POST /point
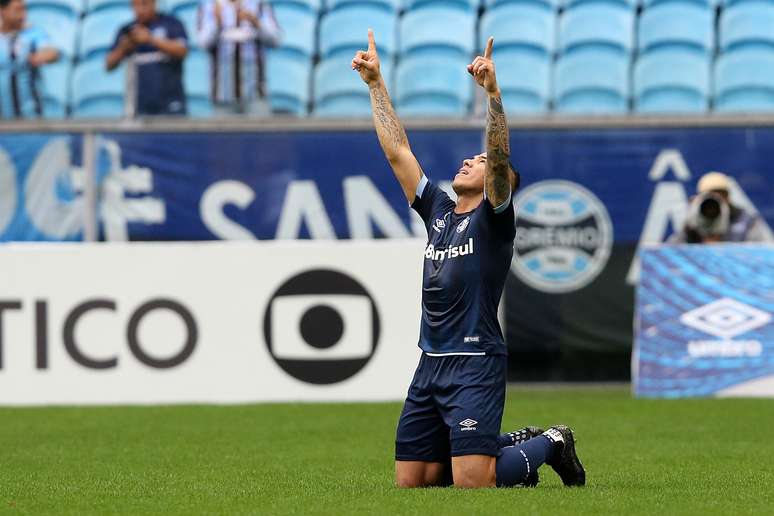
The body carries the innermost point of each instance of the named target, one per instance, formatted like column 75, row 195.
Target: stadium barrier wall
column 703, row 323
column 220, row 322
column 593, row 192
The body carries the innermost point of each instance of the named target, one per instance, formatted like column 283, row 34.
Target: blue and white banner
column 705, row 321
column 40, row 187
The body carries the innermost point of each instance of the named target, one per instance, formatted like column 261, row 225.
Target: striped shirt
column 20, row 84
column 237, row 48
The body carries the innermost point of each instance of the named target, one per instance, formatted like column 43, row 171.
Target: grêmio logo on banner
column 725, row 319
column 39, row 316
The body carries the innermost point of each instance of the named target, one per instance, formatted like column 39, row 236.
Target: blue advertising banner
column 704, row 322
column 40, row 187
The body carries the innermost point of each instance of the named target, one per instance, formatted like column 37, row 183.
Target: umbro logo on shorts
column 468, row 424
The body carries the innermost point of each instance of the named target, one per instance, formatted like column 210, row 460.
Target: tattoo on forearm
column 391, row 134
column 497, row 152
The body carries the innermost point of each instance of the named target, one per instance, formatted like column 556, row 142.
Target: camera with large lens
column 709, row 215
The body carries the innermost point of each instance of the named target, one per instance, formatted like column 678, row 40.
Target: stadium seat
column 672, row 80
column 744, row 81
column 340, row 92
column 592, row 82
column 390, row 5
column 188, row 14
column 552, row 4
column 73, row 7
column 97, row 93
column 647, row 4
column 55, row 82
column 437, row 87
column 173, row 5
column 97, row 5
column 599, row 24
column 438, row 31
column 312, row 6
column 287, row 82
column 519, row 25
column 524, row 78
column 631, row 5
column 298, row 30
column 466, row 5
column 100, row 28
column 743, row 24
column 682, row 24
column 60, row 25
column 345, row 31
column 196, row 82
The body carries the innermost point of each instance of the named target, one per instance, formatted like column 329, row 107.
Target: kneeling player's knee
column 473, row 480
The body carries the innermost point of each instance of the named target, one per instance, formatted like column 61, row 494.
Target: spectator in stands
column 23, row 49
column 235, row 32
column 712, row 217
column 156, row 45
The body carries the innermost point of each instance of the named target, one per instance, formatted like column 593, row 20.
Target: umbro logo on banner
column 725, row 318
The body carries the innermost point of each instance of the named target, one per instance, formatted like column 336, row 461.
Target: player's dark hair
column 4, row 3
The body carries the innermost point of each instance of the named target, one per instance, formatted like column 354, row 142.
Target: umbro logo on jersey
column 439, row 225
column 463, row 225
column 468, row 424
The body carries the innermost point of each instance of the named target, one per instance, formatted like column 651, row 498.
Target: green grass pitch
column 641, row 456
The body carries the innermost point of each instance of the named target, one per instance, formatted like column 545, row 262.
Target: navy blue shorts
column 454, row 407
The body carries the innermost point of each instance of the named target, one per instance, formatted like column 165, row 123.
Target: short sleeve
column 176, row 30
column 40, row 39
column 502, row 219
column 121, row 33
column 430, row 201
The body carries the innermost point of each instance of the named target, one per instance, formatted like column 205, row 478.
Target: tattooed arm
column 391, row 135
column 498, row 175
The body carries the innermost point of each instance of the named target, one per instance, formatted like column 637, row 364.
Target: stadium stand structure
column 562, row 56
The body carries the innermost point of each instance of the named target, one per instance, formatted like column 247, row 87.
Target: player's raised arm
column 498, row 176
column 392, row 137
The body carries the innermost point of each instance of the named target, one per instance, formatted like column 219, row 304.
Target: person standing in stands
column 23, row 50
column 156, row 44
column 235, row 33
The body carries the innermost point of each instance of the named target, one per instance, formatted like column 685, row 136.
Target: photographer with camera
column 713, row 218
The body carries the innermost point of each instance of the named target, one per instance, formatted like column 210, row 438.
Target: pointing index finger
column 371, row 42
column 488, row 51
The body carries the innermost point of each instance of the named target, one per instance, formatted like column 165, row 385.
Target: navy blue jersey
column 159, row 77
column 466, row 262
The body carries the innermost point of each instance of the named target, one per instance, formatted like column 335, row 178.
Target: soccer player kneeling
column 449, row 428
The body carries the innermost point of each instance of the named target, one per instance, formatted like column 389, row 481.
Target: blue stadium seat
column 592, row 82
column 682, row 24
column 438, row 31
column 73, row 7
column 552, row 4
column 433, row 87
column 173, row 5
column 672, row 80
column 313, row 6
column 340, row 92
column 744, row 81
column 631, row 5
column 747, row 24
column 100, row 28
column 97, row 93
column 647, row 4
column 345, row 31
column 196, row 82
column 189, row 17
column 60, row 25
column 524, row 78
column 519, row 25
column 599, row 24
column 466, row 5
column 390, row 5
column 298, row 30
column 55, row 82
column 98, row 5
column 287, row 81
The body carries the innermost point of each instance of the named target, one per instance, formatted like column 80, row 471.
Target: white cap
column 713, row 181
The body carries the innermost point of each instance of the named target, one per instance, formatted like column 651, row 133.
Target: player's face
column 470, row 176
column 144, row 10
column 14, row 14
